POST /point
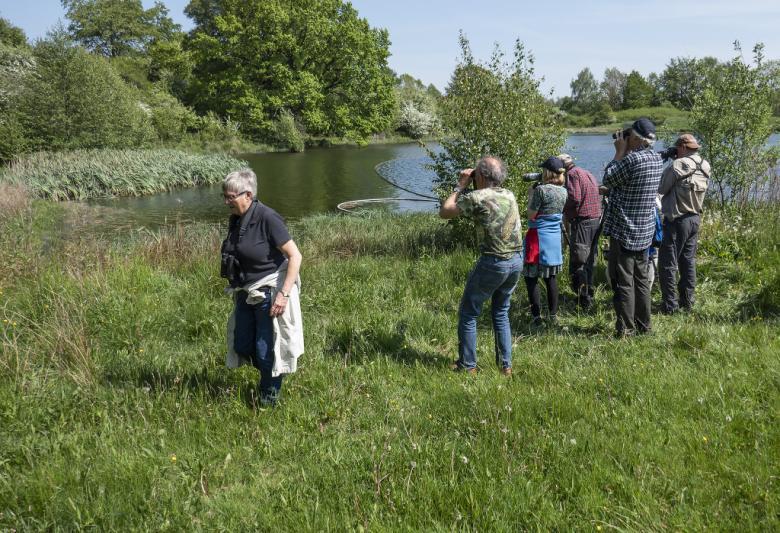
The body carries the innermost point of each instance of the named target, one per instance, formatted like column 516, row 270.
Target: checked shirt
column 584, row 200
column 633, row 184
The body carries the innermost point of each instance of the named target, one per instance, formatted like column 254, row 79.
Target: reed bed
column 84, row 174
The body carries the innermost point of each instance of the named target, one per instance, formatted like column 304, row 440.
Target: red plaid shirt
column 584, row 200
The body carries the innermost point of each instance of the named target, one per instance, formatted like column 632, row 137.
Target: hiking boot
column 506, row 371
column 456, row 367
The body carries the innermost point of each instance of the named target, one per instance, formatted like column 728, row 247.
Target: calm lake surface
column 316, row 181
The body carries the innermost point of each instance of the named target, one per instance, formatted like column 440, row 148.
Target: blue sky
column 564, row 36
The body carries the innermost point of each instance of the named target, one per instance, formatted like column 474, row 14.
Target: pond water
column 316, row 181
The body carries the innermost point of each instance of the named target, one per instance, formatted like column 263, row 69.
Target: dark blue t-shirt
column 255, row 238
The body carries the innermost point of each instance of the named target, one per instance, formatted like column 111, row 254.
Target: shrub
column 83, row 174
column 287, row 133
column 76, row 100
column 496, row 109
column 416, row 123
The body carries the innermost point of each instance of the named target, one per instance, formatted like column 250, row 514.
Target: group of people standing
column 262, row 262
column 569, row 197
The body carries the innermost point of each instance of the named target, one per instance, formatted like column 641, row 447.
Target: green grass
column 666, row 118
column 83, row 174
column 117, row 412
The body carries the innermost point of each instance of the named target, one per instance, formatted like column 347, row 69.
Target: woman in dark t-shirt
column 256, row 246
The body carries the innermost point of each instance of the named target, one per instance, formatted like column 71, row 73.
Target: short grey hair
column 492, row 169
column 647, row 142
column 240, row 181
column 566, row 159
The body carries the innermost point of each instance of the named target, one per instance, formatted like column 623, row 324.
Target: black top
column 254, row 238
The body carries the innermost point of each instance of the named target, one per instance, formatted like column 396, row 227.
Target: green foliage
column 637, row 91
column 287, row 133
column 585, row 95
column 612, row 87
column 171, row 119
column 118, row 27
column 497, row 109
column 417, row 114
column 317, row 58
column 15, row 66
column 83, row 174
column 603, row 115
column 114, row 392
column 11, row 35
column 76, row 100
column 733, row 117
column 685, row 78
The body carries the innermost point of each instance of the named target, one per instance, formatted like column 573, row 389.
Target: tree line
column 680, row 84
column 269, row 71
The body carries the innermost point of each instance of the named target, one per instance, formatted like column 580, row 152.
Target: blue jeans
column 493, row 278
column 254, row 339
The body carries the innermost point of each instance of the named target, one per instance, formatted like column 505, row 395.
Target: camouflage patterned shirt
column 495, row 211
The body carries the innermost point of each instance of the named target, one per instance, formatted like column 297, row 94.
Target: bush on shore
column 83, row 174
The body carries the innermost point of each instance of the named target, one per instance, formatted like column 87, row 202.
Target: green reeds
column 83, row 174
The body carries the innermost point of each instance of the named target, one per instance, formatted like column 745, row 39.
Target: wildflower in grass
column 705, row 439
column 173, row 457
column 573, row 442
column 464, row 459
column 728, row 418
column 413, row 464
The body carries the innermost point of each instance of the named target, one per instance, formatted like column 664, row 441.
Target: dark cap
column 645, row 128
column 553, row 164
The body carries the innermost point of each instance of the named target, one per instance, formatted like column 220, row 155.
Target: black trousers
column 583, row 248
column 629, row 273
column 678, row 253
column 532, row 285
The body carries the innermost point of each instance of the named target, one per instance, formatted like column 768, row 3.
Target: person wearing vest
column 683, row 187
column 497, row 271
column 261, row 262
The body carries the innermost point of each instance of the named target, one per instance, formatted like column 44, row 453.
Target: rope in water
column 381, row 170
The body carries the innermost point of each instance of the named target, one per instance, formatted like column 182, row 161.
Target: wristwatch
column 457, row 188
column 285, row 294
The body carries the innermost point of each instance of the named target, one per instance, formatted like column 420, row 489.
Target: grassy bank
column 83, row 174
column 117, row 412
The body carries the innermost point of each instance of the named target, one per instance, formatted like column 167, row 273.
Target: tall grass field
column 117, row 413
column 83, row 174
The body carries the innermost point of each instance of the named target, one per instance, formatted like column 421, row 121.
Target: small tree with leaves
column 733, row 117
column 495, row 108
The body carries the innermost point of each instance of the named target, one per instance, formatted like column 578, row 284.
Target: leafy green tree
column 585, row 92
column 496, row 108
column 657, row 99
column 315, row 58
column 637, row 92
column 771, row 71
column 685, row 78
column 603, row 114
column 11, row 35
column 733, row 117
column 612, row 87
column 75, row 99
column 118, row 27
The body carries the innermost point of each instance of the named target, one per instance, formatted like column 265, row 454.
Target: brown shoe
column 457, row 368
column 506, row 372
